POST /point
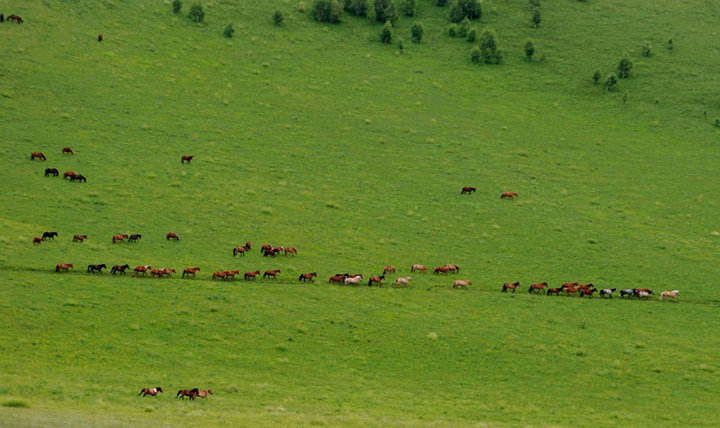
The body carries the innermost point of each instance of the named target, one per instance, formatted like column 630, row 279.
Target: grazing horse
column 555, row 291
column 63, row 267
column 376, row 280
column 186, row 159
column 607, row 292
column 204, row 393
column 403, row 282
column 537, row 288
column 220, row 274
column 141, row 269
column 120, row 238
column 37, row 241
column 440, row 270
column 338, row 278
column 134, row 237
column 630, row 292
column 468, row 190
column 353, row 280
column 508, row 286
column 422, row 268
column 388, row 269
column 172, row 235
column 190, row 271
column 587, row 291
column 248, row 245
column 192, row 393
column 271, row 273
column 290, row 250
column 508, row 195
column 461, row 283
column 119, row 269
column 150, row 391
column 253, row 274
column 68, row 150
column 79, row 238
column 51, row 171
column 16, row 18
column 239, row 250
column 265, row 247
column 79, row 178
column 672, row 294
column 49, row 235
column 307, row 277
column 100, row 37
column 69, row 174
column 36, row 155
column 96, row 268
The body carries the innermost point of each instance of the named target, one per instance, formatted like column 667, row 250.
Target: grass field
column 319, row 137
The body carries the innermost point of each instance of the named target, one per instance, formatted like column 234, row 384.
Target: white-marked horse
column 673, row 294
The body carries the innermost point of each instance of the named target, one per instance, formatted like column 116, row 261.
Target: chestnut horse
column 172, row 235
column 51, row 171
column 192, row 393
column 186, row 159
column 376, row 280
column 68, row 150
column 37, row 241
column 587, row 291
column 453, row 268
column 388, row 269
column 120, row 238
column 338, row 279
column 671, row 294
column 537, row 288
column 204, row 393
column 119, row 269
column 307, row 277
column 461, row 283
column 231, row 273
column 290, row 250
column 150, row 391
column 141, row 269
column 79, row 238
column 468, row 190
column 509, row 195
column 253, row 274
column 69, row 174
column 220, row 274
column 36, row 155
column 422, row 268
column 63, row 267
column 239, row 250
column 190, row 271
column 271, row 273
column 508, row 286
column 440, row 270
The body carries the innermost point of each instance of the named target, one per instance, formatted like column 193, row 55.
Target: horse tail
column 141, row 392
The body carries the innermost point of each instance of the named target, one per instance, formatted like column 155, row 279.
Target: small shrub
column 669, row 45
column 401, row 46
column 475, row 55
column 536, row 17
column 611, row 83
column 386, row 33
column 416, row 32
column 464, row 27
column 385, row 10
column 409, row 7
column 488, row 48
column 327, row 11
column 465, row 8
column 197, row 13
column 301, row 7
column 624, row 67
column 717, row 123
column 177, row 6
column 596, row 77
column 278, row 18
column 453, row 30
column 229, row 31
column 357, row 7
column 529, row 50
column 646, row 49
column 472, row 36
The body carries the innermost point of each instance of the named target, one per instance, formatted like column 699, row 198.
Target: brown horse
column 508, row 195
column 587, row 291
column 36, row 155
column 376, row 280
column 69, row 174
column 51, row 171
column 290, row 250
column 248, row 245
column 37, row 241
column 271, row 273
column 192, row 393
column 16, row 18
column 307, row 277
column 186, row 159
column 157, row 273
column 555, row 291
column 168, row 272
column 63, row 267
column 100, row 37
column 422, row 268
column 150, row 391
column 231, row 273
column 172, row 235
column 79, row 238
column 508, row 286
column 461, row 283
column 120, row 238
column 388, row 269
column 220, row 274
column 468, row 190
column 190, row 271
column 571, row 289
column 440, row 270
column 452, row 268
column 338, row 279
column 79, row 178
column 239, row 250
column 96, row 268
column 537, row 288
column 68, row 150
column 141, row 270
column 119, row 269
column 204, row 393
column 251, row 275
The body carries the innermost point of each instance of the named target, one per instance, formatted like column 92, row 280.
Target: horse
column 192, row 393
column 119, row 269
column 468, row 190
column 587, row 291
column 96, row 268
column 158, row 273
column 643, row 290
column 186, row 158
column 168, row 272
column 508, row 286
column 571, row 289
column 265, row 247
column 219, row 274
column 641, row 294
column 403, row 282
column 290, row 250
column 231, row 273
column 79, row 238
column 607, row 292
column 63, row 267
column 586, row 286
column 134, row 237
column 440, row 269
column 68, row 150
column 508, row 195
column 120, row 238
column 253, row 274
column 190, row 271
column 537, row 288
column 630, row 292
column 37, row 241
column 555, row 291
column 376, row 280
column 79, row 178
column 271, row 273
column 150, row 391
column 461, row 283
column 388, row 269
column 248, row 245
column 672, row 294
column 453, row 268
column 51, row 171
column 307, row 277
column 16, row 18
column 172, row 235
column 422, row 268
column 338, row 278
column 141, row 269
column 49, row 235
column 36, row 155
column 204, row 393
column 100, row 37
column 69, row 174
column 353, row 280
column 239, row 250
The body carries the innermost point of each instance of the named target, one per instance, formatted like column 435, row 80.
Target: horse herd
column 190, row 393
column 582, row 290
column 71, row 175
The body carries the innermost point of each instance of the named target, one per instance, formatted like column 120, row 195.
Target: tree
column 327, row 11
column 278, row 18
column 488, row 48
column 385, row 11
column 465, row 8
column 472, row 36
column 611, row 83
column 357, row 7
column 464, row 27
column 596, row 77
column 624, row 67
column 529, row 49
column 177, row 6
column 536, row 17
column 409, row 7
column 229, row 31
column 416, row 32
column 197, row 13
column 386, row 33
column 475, row 55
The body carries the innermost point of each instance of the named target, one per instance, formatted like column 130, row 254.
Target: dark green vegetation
column 319, row 137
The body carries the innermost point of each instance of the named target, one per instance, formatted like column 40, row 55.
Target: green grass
column 320, row 137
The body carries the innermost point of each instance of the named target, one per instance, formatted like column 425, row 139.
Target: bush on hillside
column 278, row 18
column 356, row 7
column 385, row 10
column 529, row 50
column 464, row 27
column 596, row 77
column 611, row 83
column 624, row 67
column 177, row 6
column 401, row 46
column 386, row 33
column 197, row 13
column 488, row 48
column 229, row 31
column 453, row 30
column 475, row 55
column 536, row 17
column 646, row 49
column 409, row 7
column 535, row 3
column 472, row 36
column 327, row 11
column 465, row 8
column 416, row 32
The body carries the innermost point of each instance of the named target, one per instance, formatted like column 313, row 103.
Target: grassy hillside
column 319, row 137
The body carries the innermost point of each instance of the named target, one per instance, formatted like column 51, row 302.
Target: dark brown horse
column 186, row 159
column 49, row 235
column 338, row 278
column 100, row 37
column 37, row 241
column 376, row 280
column 271, row 273
column 119, row 269
column 153, row 392
column 173, row 236
column 192, row 393
column 63, row 267
column 537, row 288
column 508, row 286
column 251, row 275
column 36, row 155
column 190, row 271
column 51, row 171
column 134, row 237
column 508, row 195
column 69, row 174
column 468, row 190
column 307, row 277
column 79, row 238
column 16, row 18
column 96, row 268
column 68, row 150
column 79, row 178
